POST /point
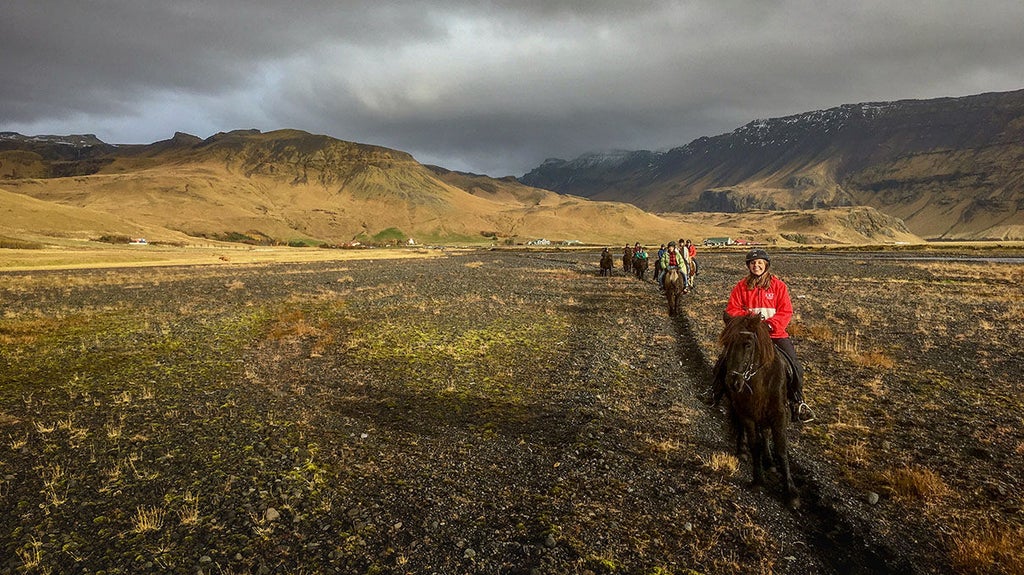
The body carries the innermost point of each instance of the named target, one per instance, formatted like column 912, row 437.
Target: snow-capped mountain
column 950, row 167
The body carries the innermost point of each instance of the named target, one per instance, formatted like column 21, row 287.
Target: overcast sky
column 489, row 87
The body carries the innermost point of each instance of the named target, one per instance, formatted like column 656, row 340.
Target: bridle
column 749, row 371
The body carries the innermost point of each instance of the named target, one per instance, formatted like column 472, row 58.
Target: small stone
column 271, row 514
column 469, row 554
column 688, row 527
column 205, row 559
column 549, row 541
column 238, row 557
column 872, row 498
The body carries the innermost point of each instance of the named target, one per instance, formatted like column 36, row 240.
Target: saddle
column 790, row 367
column 788, row 363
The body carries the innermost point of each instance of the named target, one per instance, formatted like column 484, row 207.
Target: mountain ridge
column 949, row 167
column 292, row 186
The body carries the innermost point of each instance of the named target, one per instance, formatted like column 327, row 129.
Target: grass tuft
column 991, row 549
column 722, row 463
column 31, row 555
column 147, row 519
column 916, row 482
column 188, row 514
column 18, row 443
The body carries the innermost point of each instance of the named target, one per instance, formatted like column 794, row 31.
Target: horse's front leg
column 755, row 441
column 781, row 447
column 742, row 451
column 771, row 452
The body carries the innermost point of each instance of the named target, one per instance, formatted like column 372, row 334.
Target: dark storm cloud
column 493, row 87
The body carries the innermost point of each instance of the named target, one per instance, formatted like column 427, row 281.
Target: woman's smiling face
column 757, row 267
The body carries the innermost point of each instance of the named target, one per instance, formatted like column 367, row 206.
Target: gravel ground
column 488, row 412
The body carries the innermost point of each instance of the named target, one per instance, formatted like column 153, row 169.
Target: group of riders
column 759, row 293
column 681, row 256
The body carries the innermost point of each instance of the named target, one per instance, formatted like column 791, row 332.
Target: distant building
column 718, row 241
column 138, row 242
column 539, row 242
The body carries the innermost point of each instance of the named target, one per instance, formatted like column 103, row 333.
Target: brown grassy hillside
column 31, row 219
column 292, row 186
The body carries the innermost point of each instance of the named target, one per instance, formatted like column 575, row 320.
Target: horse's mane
column 752, row 323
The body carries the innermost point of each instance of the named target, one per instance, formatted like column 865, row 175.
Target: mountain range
column 285, row 186
column 950, row 168
column 289, row 186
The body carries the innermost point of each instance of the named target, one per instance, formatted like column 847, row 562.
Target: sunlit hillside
column 293, row 187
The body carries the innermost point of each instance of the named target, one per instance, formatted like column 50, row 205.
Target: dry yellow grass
column 991, row 549
column 99, row 256
column 916, row 482
column 148, row 519
column 722, row 463
column 661, row 446
column 873, row 358
column 973, row 270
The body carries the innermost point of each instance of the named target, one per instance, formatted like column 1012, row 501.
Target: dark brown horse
column 674, row 286
column 755, row 383
column 607, row 262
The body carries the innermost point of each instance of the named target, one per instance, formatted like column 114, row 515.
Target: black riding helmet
column 758, row 254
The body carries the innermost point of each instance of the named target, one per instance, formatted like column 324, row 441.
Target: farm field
column 500, row 412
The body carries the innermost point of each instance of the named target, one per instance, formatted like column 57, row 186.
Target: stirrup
column 804, row 413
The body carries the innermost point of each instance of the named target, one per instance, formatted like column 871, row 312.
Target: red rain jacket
column 773, row 304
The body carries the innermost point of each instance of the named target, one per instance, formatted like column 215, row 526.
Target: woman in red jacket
column 762, row 293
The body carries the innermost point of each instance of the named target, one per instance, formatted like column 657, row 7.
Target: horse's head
column 747, row 344
column 743, row 327
column 673, row 280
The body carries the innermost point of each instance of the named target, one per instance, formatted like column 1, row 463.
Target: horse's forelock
column 752, row 323
column 673, row 278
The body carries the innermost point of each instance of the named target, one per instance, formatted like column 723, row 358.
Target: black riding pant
column 795, row 388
